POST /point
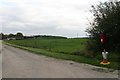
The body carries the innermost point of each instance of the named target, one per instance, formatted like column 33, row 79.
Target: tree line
column 11, row 36
column 20, row 36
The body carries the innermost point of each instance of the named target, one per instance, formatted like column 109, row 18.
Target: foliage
column 11, row 36
column 19, row 35
column 107, row 20
column 80, row 59
column 1, row 34
column 49, row 37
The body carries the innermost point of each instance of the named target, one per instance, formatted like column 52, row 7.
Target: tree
column 11, row 36
column 1, row 36
column 107, row 20
column 5, row 36
column 19, row 35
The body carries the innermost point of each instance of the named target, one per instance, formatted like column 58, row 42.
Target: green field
column 69, row 49
column 68, row 46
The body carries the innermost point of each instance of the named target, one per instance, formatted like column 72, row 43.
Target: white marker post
column 104, row 54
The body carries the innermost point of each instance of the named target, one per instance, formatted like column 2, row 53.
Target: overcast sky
column 47, row 17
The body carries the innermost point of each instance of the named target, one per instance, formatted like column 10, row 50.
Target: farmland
column 68, row 46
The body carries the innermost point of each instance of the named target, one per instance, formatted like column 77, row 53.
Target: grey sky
column 54, row 17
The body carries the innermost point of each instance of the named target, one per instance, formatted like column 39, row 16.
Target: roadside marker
column 104, row 53
column 105, row 63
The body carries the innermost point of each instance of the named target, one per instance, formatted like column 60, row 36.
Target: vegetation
column 19, row 36
column 1, row 36
column 69, row 49
column 11, row 36
column 67, row 46
column 106, row 20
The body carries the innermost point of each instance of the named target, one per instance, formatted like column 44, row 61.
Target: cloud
column 56, row 17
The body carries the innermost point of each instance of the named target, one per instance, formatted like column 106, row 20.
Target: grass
column 68, row 46
column 62, row 49
column 81, row 59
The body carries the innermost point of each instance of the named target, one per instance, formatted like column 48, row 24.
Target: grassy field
column 64, row 49
column 68, row 46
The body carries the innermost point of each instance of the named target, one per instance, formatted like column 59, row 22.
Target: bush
column 107, row 20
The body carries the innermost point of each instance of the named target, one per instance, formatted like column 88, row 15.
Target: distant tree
column 5, row 36
column 19, row 35
column 106, row 20
column 11, row 36
column 1, row 36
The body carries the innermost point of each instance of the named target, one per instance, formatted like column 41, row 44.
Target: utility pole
column 77, row 35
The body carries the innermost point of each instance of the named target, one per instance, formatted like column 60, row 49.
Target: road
column 19, row 63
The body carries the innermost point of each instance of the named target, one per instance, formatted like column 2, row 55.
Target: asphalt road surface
column 19, row 63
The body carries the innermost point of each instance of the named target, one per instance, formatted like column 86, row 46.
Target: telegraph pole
column 77, row 35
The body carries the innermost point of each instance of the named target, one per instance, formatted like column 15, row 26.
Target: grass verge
column 80, row 59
